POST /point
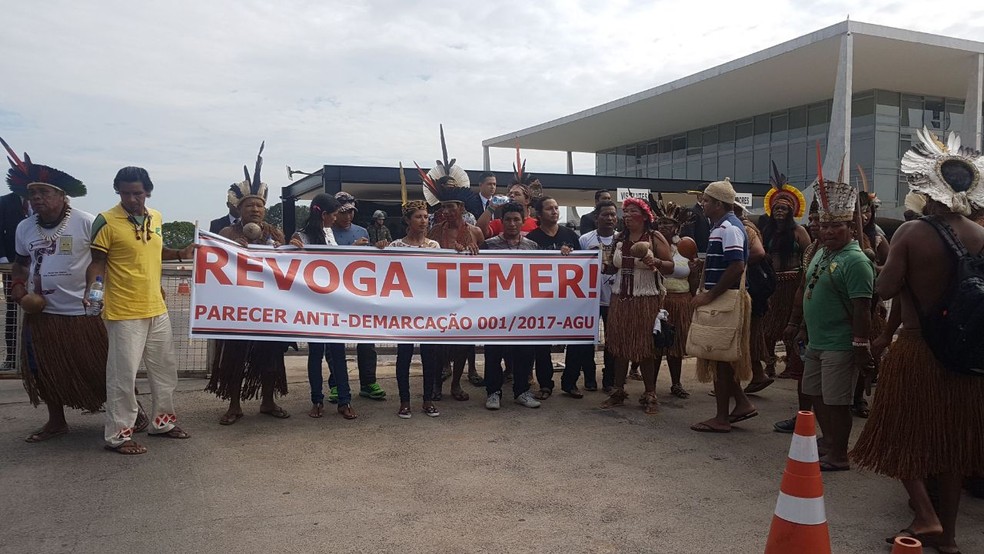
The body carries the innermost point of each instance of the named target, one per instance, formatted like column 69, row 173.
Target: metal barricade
column 192, row 354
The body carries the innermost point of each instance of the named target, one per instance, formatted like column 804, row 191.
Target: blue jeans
column 429, row 361
column 334, row 354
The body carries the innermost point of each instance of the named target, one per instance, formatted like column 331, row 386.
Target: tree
column 275, row 215
column 178, row 234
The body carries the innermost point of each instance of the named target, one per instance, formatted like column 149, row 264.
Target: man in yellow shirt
column 127, row 251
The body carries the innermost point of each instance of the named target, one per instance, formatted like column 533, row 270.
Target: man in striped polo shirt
column 727, row 253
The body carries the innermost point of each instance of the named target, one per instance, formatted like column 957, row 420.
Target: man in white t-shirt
column 64, row 351
column 581, row 357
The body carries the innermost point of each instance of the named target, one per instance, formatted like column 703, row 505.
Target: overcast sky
column 188, row 89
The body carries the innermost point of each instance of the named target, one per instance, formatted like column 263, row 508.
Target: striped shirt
column 727, row 243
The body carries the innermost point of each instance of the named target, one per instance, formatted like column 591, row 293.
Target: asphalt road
column 566, row 478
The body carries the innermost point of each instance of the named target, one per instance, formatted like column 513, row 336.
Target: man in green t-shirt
column 837, row 316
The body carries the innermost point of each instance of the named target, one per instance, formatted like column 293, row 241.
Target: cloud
column 189, row 89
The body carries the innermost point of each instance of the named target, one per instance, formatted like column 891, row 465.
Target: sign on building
column 744, row 198
column 622, row 194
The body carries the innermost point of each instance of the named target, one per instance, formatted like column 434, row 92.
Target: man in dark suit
column 13, row 209
column 221, row 223
column 479, row 201
column 589, row 221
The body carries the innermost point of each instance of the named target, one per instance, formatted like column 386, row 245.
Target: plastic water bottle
column 95, row 298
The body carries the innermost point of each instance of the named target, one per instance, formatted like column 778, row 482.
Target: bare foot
column 49, row 431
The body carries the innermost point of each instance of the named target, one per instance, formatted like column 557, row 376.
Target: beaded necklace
column 58, row 231
column 818, row 270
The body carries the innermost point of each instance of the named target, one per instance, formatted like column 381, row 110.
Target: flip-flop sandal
column 404, row 413
column 756, row 387
column 432, row 411
column 174, row 433
column 317, row 410
column 476, row 380
column 226, row 419
column 460, row 395
column 128, row 448
column 277, row 412
column 705, row 428
column 42, row 435
column 347, row 412
column 737, row 418
column 574, row 393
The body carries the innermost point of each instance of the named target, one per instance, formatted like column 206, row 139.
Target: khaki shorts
column 830, row 374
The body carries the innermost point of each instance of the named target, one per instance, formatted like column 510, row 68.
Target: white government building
column 855, row 87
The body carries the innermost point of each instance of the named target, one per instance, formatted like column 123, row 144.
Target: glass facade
column 882, row 127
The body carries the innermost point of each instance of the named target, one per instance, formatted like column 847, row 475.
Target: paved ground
column 565, row 478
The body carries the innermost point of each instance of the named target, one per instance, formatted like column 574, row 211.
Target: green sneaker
column 333, row 395
column 373, row 391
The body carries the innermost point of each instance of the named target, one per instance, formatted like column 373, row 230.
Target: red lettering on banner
column 442, row 269
column 203, row 264
column 537, row 280
column 368, row 282
column 514, row 280
column 569, row 277
column 467, row 279
column 200, row 311
column 228, row 312
column 593, row 281
column 284, row 281
column 395, row 280
column 245, row 265
column 332, row 285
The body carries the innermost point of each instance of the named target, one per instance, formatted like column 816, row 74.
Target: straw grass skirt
column 249, row 362
column 629, row 333
column 925, row 420
column 63, row 361
column 677, row 305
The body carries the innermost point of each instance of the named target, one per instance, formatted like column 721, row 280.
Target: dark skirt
column 925, row 420
column 63, row 361
column 780, row 307
column 249, row 362
column 629, row 333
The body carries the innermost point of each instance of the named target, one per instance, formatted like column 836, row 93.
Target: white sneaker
column 526, row 399
column 493, row 401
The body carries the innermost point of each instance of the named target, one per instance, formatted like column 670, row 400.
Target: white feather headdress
column 947, row 173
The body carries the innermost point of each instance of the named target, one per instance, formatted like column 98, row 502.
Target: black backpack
column 954, row 329
column 761, row 284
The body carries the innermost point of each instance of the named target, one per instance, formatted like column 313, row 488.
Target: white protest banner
column 621, row 194
column 399, row 295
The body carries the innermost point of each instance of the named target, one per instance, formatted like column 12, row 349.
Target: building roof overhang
column 797, row 72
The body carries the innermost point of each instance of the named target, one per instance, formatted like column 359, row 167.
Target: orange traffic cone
column 907, row 545
column 800, row 522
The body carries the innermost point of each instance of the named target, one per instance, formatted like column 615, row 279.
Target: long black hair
column 314, row 229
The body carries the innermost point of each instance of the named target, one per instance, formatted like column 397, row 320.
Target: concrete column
column 486, row 161
column 839, row 136
column 970, row 134
column 570, row 163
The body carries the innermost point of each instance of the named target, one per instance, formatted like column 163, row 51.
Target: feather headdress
column 24, row 173
column 668, row 210
column 783, row 192
column 838, row 201
column 446, row 181
column 408, row 206
column 251, row 187
column 867, row 196
column 947, row 173
column 522, row 177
